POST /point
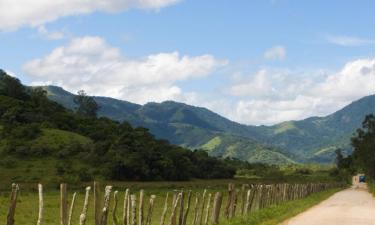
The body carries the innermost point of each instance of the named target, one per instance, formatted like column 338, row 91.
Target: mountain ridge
column 313, row 139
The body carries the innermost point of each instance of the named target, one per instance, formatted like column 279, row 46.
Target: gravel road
column 354, row 206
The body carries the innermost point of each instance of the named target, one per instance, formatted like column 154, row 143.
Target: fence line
column 206, row 211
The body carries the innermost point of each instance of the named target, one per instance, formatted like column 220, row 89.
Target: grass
column 27, row 204
column 371, row 186
column 278, row 213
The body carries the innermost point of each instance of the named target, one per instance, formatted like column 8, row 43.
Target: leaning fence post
column 71, row 209
column 13, row 204
column 174, row 209
column 195, row 219
column 150, row 210
column 181, row 216
column 114, row 212
column 216, row 208
column 41, row 205
column 162, row 219
column 140, row 211
column 82, row 218
column 107, row 198
column 246, row 210
column 229, row 202
column 128, row 210
column 207, row 209
column 63, row 204
column 125, row 218
column 187, row 209
column 202, row 207
column 97, row 204
column 133, row 199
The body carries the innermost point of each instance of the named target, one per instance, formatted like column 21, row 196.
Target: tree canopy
column 102, row 147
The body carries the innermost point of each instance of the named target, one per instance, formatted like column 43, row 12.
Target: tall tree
column 86, row 105
column 364, row 145
column 12, row 87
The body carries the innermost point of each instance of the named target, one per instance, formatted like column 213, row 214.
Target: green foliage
column 84, row 147
column 364, row 146
column 311, row 140
column 87, row 105
column 279, row 213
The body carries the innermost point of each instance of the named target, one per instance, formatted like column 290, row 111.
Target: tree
column 364, row 145
column 339, row 158
column 86, row 104
column 12, row 87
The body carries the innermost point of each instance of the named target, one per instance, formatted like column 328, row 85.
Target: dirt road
column 354, row 206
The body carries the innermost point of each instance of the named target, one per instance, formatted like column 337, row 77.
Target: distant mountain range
column 311, row 140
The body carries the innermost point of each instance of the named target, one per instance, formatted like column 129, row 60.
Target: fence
column 208, row 208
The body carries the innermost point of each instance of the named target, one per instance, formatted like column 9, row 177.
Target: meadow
column 27, row 203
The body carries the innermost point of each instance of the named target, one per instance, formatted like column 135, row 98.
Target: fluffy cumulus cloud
column 91, row 64
column 17, row 13
column 270, row 97
column 276, row 52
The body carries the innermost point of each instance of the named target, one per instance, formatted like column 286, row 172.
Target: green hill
column 311, row 140
column 42, row 141
column 183, row 125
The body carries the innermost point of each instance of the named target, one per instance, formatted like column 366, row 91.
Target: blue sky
column 256, row 62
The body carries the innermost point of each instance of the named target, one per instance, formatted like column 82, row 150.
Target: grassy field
column 27, row 205
column 278, row 213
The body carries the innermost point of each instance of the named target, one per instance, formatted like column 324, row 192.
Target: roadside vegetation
column 278, row 213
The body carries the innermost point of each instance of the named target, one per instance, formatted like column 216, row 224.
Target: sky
column 258, row 62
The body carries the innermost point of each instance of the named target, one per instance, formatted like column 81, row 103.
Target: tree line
column 362, row 159
column 116, row 151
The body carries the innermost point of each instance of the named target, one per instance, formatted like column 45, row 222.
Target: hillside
column 311, row 140
column 184, row 125
column 40, row 140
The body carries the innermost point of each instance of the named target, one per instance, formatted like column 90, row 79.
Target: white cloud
column 91, row 64
column 18, row 13
column 270, row 97
column 276, row 52
column 50, row 35
column 348, row 41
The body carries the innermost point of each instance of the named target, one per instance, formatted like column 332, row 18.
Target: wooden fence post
column 41, row 204
column 82, row 218
column 125, row 219
column 230, row 199
column 107, row 198
column 140, row 211
column 187, row 208
column 13, row 204
column 202, row 207
column 71, row 209
column 164, row 213
column 133, row 199
column 63, row 204
column 195, row 219
column 182, row 204
column 246, row 210
column 150, row 210
column 97, row 203
column 216, row 208
column 207, row 209
column 174, row 209
column 114, row 211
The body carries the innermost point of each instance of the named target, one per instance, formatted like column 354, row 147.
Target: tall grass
column 276, row 214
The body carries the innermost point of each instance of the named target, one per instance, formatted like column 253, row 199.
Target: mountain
column 184, row 125
column 310, row 140
column 318, row 137
column 41, row 141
